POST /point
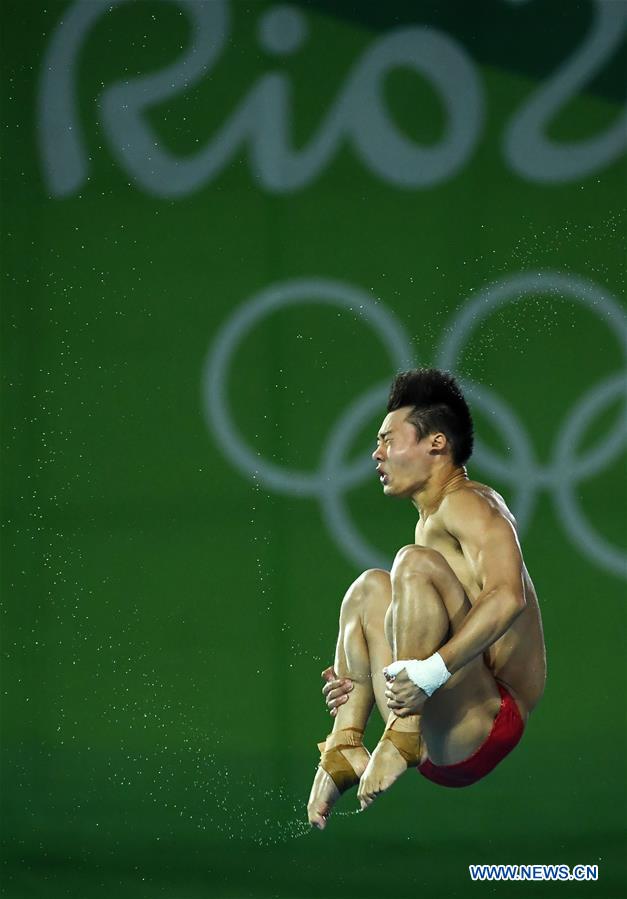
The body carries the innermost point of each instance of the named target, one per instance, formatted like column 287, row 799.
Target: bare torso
column 518, row 657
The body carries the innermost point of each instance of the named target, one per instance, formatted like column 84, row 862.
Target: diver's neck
column 428, row 497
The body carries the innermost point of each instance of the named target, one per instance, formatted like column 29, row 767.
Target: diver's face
column 403, row 462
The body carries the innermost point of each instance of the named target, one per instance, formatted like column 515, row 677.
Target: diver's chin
column 390, row 490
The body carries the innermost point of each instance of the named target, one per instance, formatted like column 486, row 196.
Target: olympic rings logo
column 521, row 470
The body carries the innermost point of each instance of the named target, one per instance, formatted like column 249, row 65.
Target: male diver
column 449, row 643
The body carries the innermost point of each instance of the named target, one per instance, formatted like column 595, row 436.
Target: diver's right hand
column 335, row 690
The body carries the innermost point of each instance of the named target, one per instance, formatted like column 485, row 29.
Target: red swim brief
column 507, row 730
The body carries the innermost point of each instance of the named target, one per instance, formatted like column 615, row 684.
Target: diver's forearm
column 491, row 615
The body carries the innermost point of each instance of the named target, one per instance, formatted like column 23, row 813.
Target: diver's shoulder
column 471, row 494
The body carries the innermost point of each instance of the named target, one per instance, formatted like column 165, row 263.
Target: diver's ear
column 439, row 443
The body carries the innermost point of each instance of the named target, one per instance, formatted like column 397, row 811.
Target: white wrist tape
column 428, row 674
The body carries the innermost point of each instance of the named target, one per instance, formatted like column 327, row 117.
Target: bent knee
column 373, row 585
column 374, row 580
column 414, row 559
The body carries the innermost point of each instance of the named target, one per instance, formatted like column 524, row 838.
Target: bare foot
column 385, row 766
column 324, row 794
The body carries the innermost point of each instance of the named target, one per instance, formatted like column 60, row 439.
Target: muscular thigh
column 459, row 716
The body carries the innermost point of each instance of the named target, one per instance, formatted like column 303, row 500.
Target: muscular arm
column 490, row 544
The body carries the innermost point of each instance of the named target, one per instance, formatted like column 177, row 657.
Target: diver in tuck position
column 449, row 643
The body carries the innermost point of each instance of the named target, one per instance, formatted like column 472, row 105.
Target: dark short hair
column 438, row 405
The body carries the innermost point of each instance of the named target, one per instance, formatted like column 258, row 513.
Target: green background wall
column 166, row 613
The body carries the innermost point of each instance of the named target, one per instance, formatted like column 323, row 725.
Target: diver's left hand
column 403, row 696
